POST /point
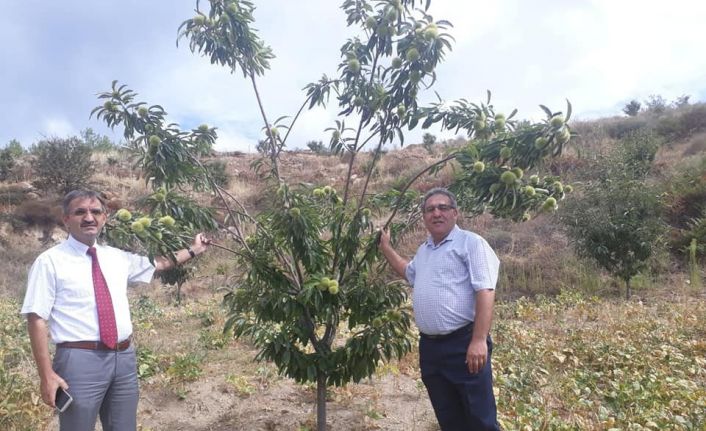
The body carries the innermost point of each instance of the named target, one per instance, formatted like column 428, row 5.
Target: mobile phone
column 63, row 399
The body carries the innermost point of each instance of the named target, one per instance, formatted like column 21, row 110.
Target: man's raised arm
column 397, row 262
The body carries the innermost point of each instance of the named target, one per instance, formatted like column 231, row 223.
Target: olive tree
column 312, row 294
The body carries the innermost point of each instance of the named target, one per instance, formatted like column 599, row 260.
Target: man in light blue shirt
column 453, row 276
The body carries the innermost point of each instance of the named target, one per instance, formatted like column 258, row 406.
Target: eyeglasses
column 441, row 207
column 95, row 212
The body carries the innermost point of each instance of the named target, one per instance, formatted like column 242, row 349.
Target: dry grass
column 18, row 252
column 695, row 145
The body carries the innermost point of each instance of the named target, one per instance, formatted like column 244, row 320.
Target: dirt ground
column 389, row 402
column 393, row 399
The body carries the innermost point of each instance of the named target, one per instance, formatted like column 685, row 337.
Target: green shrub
column 428, row 141
column 214, row 339
column 8, row 158
column 692, row 240
column 97, row 142
column 15, row 148
column 685, row 206
column 218, row 171
column 616, row 220
column 618, row 128
column 633, row 108
column 185, row 368
column 655, row 104
column 240, row 384
column 147, row 363
column 318, row 147
column 682, row 123
column 7, row 162
column 62, row 164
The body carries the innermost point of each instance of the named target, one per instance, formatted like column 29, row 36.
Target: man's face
column 85, row 219
column 439, row 216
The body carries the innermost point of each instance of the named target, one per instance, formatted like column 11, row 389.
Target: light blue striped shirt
column 445, row 277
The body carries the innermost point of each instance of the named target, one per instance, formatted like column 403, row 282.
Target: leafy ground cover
column 571, row 362
column 584, row 363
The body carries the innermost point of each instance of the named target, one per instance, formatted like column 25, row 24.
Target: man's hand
column 396, row 262
column 200, row 243
column 48, row 387
column 198, row 246
column 476, row 355
column 384, row 239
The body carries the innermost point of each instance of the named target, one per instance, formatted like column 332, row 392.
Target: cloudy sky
column 56, row 55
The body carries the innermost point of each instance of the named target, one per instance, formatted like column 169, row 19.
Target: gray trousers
column 100, row 382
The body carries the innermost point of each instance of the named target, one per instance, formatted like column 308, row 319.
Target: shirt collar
column 78, row 245
column 450, row 237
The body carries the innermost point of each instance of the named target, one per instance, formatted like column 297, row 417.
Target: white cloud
column 58, row 127
column 472, row 19
column 232, row 139
column 630, row 49
column 597, row 53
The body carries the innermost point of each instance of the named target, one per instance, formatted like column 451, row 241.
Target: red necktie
column 106, row 315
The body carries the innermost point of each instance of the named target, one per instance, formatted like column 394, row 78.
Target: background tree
column 15, row 148
column 632, row 108
column 616, row 221
column 681, row 101
column 317, row 147
column 7, row 162
column 8, row 157
column 62, row 164
column 217, row 170
column 96, row 141
column 428, row 141
column 656, row 104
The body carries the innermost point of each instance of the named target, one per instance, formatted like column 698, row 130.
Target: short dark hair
column 80, row 194
column 439, row 191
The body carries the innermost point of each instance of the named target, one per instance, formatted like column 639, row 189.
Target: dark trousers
column 462, row 401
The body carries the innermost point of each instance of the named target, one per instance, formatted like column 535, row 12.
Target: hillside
column 571, row 353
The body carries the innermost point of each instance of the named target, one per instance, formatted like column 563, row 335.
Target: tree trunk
column 627, row 289
column 321, row 402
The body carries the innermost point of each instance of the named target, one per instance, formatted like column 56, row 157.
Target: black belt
column 462, row 330
column 93, row 345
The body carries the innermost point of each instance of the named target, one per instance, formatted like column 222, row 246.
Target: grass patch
column 21, row 406
column 583, row 363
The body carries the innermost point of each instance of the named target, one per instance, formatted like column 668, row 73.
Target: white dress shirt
column 445, row 278
column 60, row 289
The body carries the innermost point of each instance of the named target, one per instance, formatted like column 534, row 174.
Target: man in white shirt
column 77, row 294
column 453, row 276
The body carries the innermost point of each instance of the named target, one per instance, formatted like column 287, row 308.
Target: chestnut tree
column 165, row 219
column 312, row 294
